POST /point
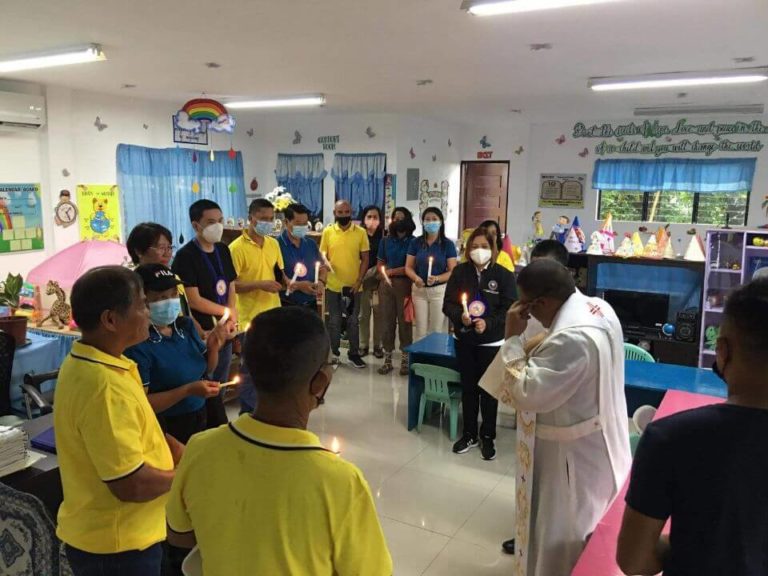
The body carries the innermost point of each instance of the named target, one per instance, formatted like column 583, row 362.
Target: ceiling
column 367, row 55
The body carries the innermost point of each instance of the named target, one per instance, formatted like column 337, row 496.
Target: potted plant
column 10, row 294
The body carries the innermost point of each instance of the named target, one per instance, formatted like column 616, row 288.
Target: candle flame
column 335, row 446
column 464, row 298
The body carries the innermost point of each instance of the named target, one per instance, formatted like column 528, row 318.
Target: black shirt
column 374, row 242
column 496, row 288
column 189, row 265
column 708, row 469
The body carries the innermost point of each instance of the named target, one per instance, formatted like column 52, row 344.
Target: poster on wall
column 21, row 218
column 390, row 193
column 99, row 206
column 562, row 191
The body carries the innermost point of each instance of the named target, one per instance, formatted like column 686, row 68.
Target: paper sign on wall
column 21, row 218
column 99, row 206
column 562, row 191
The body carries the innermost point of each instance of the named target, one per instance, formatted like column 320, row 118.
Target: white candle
column 327, row 262
column 335, row 446
column 464, row 303
column 429, row 269
column 224, row 317
column 298, row 270
column 384, row 274
column 234, row 382
column 317, row 271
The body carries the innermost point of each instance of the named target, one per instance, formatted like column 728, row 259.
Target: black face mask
column 343, row 220
column 398, row 227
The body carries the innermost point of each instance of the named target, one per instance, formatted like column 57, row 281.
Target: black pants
column 473, row 362
column 182, row 426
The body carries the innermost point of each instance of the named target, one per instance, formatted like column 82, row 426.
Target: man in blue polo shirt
column 297, row 248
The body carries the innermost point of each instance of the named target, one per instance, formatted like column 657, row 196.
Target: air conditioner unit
column 21, row 111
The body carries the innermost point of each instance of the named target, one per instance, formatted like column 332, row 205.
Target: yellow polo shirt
column 252, row 264
column 105, row 430
column 343, row 248
column 290, row 506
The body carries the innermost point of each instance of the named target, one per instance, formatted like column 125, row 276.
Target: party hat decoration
column 637, row 245
column 576, row 227
column 660, row 233
column 651, row 249
column 594, row 246
column 572, row 243
column 669, row 252
column 506, row 246
column 695, row 252
column 607, row 235
column 625, row 248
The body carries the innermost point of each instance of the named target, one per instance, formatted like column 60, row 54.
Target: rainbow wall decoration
column 203, row 114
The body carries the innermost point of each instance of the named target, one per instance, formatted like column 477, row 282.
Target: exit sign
column 484, row 155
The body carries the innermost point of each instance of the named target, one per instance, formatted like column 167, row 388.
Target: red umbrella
column 68, row 265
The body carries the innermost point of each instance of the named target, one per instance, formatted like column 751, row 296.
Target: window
column 675, row 207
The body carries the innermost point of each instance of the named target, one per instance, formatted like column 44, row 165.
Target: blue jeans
column 334, row 302
column 132, row 563
column 248, row 396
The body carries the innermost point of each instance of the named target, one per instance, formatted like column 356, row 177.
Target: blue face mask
column 263, row 228
column 164, row 312
column 300, row 231
column 432, row 227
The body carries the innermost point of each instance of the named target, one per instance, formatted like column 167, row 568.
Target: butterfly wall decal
column 434, row 157
column 560, row 139
column 584, row 153
column 99, row 124
column 65, row 173
column 296, row 137
column 519, row 150
column 249, row 132
column 370, row 133
column 412, row 153
column 484, row 142
column 145, row 126
column 449, row 143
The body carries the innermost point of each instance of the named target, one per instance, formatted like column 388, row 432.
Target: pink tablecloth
column 599, row 556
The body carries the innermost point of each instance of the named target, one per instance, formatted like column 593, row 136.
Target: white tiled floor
column 442, row 514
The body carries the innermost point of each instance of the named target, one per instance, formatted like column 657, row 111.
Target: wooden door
column 484, row 193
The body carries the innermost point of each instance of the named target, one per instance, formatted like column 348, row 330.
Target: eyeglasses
column 164, row 249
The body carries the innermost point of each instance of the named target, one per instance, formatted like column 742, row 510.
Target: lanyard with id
column 221, row 286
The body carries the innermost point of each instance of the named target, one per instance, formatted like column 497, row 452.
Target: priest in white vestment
column 573, row 442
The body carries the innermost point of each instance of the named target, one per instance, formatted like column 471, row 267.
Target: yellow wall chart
column 99, row 206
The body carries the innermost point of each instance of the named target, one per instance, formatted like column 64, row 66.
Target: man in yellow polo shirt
column 116, row 465
column 345, row 246
column 290, row 506
column 259, row 265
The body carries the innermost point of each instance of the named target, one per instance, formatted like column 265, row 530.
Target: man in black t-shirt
column 707, row 468
column 205, row 266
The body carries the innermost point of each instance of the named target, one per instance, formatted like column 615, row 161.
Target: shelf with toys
column 733, row 258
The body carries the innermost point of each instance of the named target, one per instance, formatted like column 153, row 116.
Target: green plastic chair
column 632, row 352
column 437, row 388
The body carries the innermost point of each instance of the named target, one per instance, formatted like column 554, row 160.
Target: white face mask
column 213, row 232
column 481, row 256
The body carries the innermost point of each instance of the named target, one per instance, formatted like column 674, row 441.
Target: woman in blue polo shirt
column 393, row 251
column 428, row 290
column 174, row 362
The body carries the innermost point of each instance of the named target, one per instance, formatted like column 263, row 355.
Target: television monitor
column 639, row 311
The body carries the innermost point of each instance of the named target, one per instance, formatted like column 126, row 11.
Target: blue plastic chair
column 438, row 388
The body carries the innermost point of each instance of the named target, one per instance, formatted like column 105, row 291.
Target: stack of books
column 13, row 450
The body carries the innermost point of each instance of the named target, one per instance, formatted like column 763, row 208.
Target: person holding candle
column 297, row 248
column 370, row 299
column 260, row 269
column 393, row 251
column 275, row 472
column 429, row 288
column 173, row 361
column 205, row 266
column 478, row 295
column 346, row 248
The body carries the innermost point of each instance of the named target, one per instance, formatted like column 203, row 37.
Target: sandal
column 404, row 367
column 387, row 367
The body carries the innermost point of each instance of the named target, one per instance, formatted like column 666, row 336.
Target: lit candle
column 384, row 274
column 335, row 447
column 224, row 317
column 317, row 271
column 234, row 382
column 327, row 262
column 429, row 268
column 464, row 303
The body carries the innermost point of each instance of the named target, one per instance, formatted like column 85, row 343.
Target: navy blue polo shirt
column 441, row 251
column 307, row 253
column 393, row 250
column 167, row 362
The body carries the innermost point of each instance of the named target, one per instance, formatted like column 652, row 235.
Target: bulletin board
column 21, row 218
column 99, row 206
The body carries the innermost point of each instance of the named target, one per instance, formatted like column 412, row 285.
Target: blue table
column 437, row 349
column 42, row 355
column 644, row 382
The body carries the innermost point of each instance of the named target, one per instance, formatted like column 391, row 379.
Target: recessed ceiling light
column 682, row 94
column 61, row 57
column 744, row 60
column 496, row 7
column 542, row 46
column 680, row 79
column 424, row 82
column 128, row 86
column 212, row 65
column 516, row 111
column 315, row 100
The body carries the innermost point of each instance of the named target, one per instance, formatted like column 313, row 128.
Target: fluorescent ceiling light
column 680, row 79
column 751, row 109
column 317, row 100
column 63, row 57
column 496, row 7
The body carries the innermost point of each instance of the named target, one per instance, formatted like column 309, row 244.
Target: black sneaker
column 487, row 448
column 356, row 361
column 464, row 444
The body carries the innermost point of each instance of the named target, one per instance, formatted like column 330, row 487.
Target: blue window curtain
column 302, row 175
column 360, row 179
column 675, row 174
column 157, row 185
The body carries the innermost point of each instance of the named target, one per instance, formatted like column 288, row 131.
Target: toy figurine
column 560, row 230
column 538, row 229
column 711, row 334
